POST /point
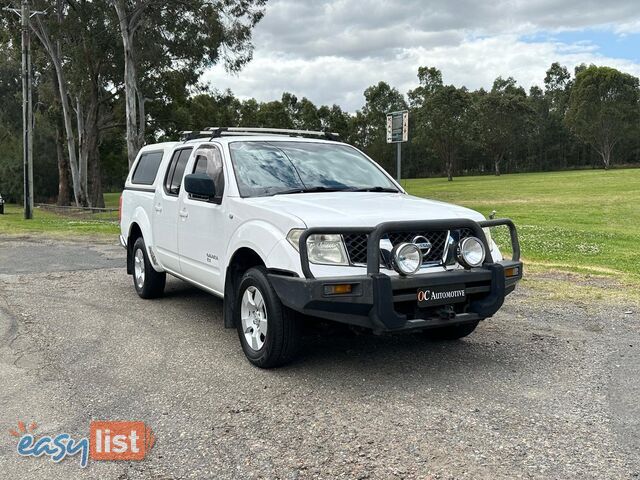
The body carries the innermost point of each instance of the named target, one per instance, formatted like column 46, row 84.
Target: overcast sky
column 331, row 50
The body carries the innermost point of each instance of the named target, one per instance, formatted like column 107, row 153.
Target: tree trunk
column 96, row 197
column 91, row 150
column 604, row 149
column 55, row 55
column 135, row 118
column 131, row 93
column 64, row 195
column 450, row 157
column 496, row 165
column 88, row 140
column 82, row 150
column 606, row 158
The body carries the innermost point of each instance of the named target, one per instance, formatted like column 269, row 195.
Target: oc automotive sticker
column 442, row 295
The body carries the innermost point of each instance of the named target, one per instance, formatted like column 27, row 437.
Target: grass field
column 63, row 224
column 52, row 223
column 585, row 221
column 111, row 200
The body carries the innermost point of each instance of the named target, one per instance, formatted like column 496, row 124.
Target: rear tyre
column 269, row 332
column 148, row 282
column 454, row 332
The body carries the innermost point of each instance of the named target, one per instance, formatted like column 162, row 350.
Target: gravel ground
column 546, row 389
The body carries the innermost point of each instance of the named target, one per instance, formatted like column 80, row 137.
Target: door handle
column 158, row 208
column 183, row 213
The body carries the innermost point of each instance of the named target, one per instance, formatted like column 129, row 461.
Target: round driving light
column 471, row 252
column 406, row 258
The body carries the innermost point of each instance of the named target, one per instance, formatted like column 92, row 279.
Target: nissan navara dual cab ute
column 280, row 223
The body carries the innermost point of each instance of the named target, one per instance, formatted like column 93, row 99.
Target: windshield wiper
column 335, row 189
column 313, row 190
column 376, row 189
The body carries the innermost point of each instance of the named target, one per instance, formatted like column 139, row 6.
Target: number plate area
column 445, row 295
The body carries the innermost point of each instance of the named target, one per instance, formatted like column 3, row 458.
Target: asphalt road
column 546, row 389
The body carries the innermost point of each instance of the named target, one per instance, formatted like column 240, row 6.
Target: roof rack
column 216, row 132
column 211, row 132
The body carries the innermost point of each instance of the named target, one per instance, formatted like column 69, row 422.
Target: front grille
column 356, row 243
column 437, row 239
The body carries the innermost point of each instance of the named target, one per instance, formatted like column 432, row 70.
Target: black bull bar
column 376, row 233
column 376, row 295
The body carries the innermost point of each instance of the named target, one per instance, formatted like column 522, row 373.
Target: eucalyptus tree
column 274, row 114
column 303, row 113
column 442, row 116
column 181, row 37
column 448, row 115
column 10, row 123
column 604, row 108
column 79, row 41
column 430, row 80
column 370, row 123
column 504, row 116
column 334, row 119
column 557, row 88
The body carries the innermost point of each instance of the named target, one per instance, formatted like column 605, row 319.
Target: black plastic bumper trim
column 374, row 306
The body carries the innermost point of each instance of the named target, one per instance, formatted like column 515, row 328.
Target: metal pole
column 26, row 111
column 399, row 161
column 27, row 105
column 29, row 115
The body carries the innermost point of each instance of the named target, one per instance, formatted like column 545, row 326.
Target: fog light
column 471, row 252
column 406, row 258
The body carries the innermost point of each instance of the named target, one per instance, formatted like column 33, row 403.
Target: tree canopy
column 111, row 76
column 603, row 109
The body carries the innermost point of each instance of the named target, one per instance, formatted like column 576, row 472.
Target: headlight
column 326, row 249
column 321, row 249
column 407, row 258
column 471, row 252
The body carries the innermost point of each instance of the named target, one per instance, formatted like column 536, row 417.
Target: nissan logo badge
column 423, row 244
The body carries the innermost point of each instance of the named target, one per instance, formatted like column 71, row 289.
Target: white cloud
column 330, row 51
column 624, row 28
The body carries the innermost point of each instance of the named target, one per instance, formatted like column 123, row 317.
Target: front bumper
column 384, row 303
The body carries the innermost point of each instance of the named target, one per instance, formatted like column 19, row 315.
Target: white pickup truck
column 281, row 222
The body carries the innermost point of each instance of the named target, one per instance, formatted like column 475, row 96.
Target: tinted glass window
column 176, row 171
column 170, row 169
column 147, row 168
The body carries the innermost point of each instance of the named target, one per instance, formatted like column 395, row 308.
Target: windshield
column 272, row 168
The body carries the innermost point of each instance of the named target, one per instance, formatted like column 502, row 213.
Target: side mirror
column 200, row 184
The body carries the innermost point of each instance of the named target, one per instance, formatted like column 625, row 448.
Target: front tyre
column 148, row 282
column 453, row 332
column 268, row 331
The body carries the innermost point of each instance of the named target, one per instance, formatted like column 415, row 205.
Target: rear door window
column 147, row 168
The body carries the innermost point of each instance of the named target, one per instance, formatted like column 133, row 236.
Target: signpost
column 398, row 132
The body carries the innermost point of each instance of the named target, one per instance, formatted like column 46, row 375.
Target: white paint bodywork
column 196, row 240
